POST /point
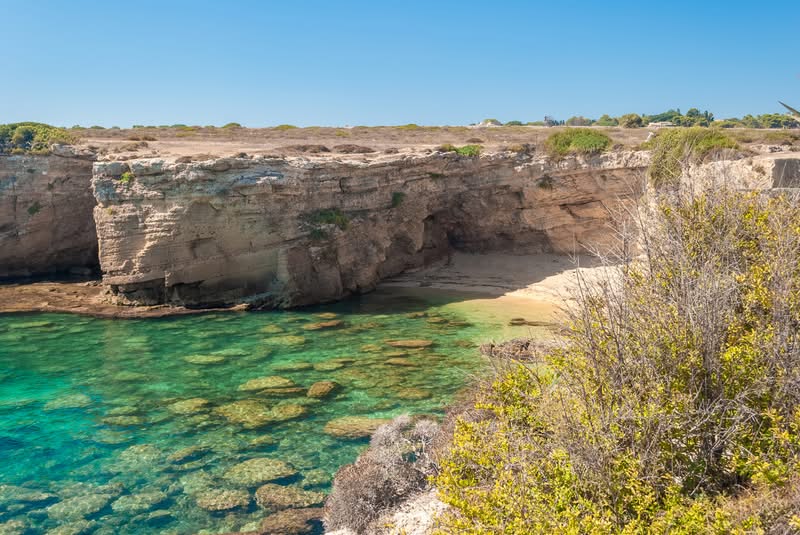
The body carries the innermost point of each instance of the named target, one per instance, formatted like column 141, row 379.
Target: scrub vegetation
column 672, row 405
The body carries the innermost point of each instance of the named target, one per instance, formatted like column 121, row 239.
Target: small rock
column 272, row 497
column 272, row 329
column 223, row 499
column 262, row 383
column 250, row 413
column 282, row 392
column 69, row 401
column 331, row 324
column 78, row 507
column 354, row 426
column 186, row 455
column 409, row 343
column 204, row 360
column 293, row 522
column 328, row 366
column 188, row 406
column 258, row 471
column 413, row 394
column 138, row 503
column 71, row 528
column 287, row 340
column 327, row 315
column 323, row 389
column 316, row 477
column 123, row 421
column 293, row 367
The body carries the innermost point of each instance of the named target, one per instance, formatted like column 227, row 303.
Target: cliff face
column 288, row 232
column 46, row 223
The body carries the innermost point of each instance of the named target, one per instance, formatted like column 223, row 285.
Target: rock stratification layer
column 46, row 221
column 287, row 232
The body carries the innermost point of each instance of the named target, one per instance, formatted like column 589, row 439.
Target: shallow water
column 91, row 436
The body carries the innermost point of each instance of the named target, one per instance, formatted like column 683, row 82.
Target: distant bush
column 513, row 123
column 577, row 141
column 331, row 216
column 33, row 138
column 675, row 148
column 284, row 127
column 409, row 126
column 606, row 120
column 466, row 150
column 396, row 465
column 397, row 198
column 578, row 121
column 232, row 125
column 631, row 120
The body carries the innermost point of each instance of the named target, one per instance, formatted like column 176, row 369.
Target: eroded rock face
column 46, row 221
column 288, row 232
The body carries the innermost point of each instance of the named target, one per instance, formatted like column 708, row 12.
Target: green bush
column 397, row 198
column 232, row 125
column 577, row 141
column 466, row 150
column 331, row 216
column 674, row 148
column 126, row 177
column 285, row 127
column 33, row 138
column 672, row 405
column 631, row 120
column 607, row 120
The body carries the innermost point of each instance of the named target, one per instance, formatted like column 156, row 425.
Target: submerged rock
column 189, row 454
column 272, row 497
column 258, row 471
column 293, row 367
column 412, row 393
column 410, row 343
column 205, row 360
column 328, row 366
column 354, row 426
column 223, row 499
column 250, row 413
column 188, row 406
column 138, row 503
column 272, row 329
column 293, row 522
column 263, row 383
column 282, row 392
column 323, row 389
column 287, row 340
column 79, row 507
column 69, row 401
column 400, row 361
column 71, row 528
column 123, row 421
column 332, row 324
column 327, row 315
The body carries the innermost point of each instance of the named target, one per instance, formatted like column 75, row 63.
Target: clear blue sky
column 390, row 62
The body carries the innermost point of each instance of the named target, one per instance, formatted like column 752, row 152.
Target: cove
column 170, row 425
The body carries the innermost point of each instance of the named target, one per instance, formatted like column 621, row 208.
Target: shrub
column 232, row 125
column 396, row 465
column 514, row 123
column 578, row 121
column 675, row 148
column 673, row 404
column 331, row 216
column 397, row 198
column 32, row 137
column 631, row 120
column 126, row 177
column 577, row 141
column 34, row 208
column 466, row 150
column 606, row 120
column 285, row 127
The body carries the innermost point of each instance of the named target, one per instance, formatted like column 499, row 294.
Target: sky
column 337, row 63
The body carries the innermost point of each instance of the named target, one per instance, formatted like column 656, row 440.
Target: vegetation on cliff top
column 675, row 148
column 577, row 141
column 673, row 405
column 33, row 138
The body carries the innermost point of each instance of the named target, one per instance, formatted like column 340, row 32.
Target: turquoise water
column 134, row 426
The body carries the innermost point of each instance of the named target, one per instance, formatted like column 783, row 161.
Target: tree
column 606, row 120
column 631, row 120
column 578, row 120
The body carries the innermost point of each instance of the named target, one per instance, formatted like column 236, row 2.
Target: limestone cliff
column 46, row 222
column 283, row 232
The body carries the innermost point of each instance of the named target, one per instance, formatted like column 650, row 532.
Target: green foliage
column 606, row 120
column 675, row 148
column 331, row 216
column 285, row 127
column 232, row 125
column 126, row 177
column 513, row 123
column 397, row 198
column 409, row 126
column 672, row 406
column 578, row 120
column 34, row 208
column 466, row 150
column 34, row 138
column 631, row 120
column 577, row 141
